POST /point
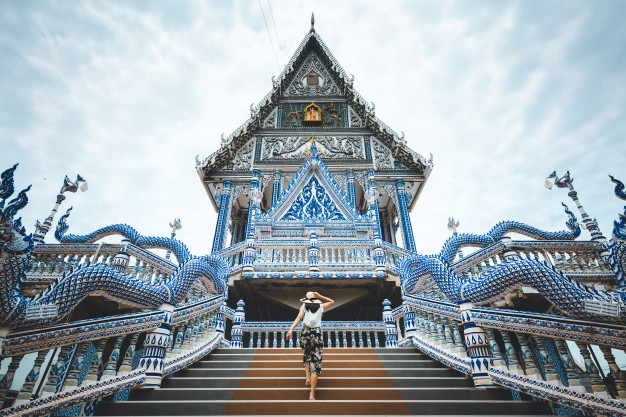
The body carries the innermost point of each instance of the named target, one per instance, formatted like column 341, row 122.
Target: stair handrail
column 72, row 356
column 531, row 352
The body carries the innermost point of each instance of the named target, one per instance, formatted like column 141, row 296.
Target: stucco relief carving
column 326, row 85
column 382, row 155
column 355, row 120
column 243, row 158
column 270, row 120
column 341, row 181
column 329, row 147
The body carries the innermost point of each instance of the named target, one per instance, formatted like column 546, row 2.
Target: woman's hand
column 288, row 335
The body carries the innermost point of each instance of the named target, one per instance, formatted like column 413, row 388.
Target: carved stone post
column 405, row 219
column 122, row 258
column 249, row 252
column 154, row 349
column 372, row 199
column 111, row 367
column 350, row 188
column 572, row 377
column 616, row 372
column 391, row 339
column 276, row 188
column 26, row 392
column 379, row 254
column 222, row 218
column 597, row 385
column 255, row 199
column 477, row 346
column 7, row 379
column 313, row 253
column 409, row 322
column 220, row 322
column 236, row 332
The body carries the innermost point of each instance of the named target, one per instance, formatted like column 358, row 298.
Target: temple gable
column 313, row 195
column 313, row 203
column 312, row 78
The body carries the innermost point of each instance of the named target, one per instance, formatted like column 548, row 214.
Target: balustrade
column 524, row 354
column 51, row 260
column 334, row 334
column 579, row 260
column 75, row 367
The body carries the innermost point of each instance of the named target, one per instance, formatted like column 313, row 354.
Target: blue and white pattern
column 67, row 291
column 564, row 293
column 313, row 203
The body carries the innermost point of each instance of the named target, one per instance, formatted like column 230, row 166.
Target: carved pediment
column 313, row 203
column 313, row 195
column 304, row 84
column 329, row 147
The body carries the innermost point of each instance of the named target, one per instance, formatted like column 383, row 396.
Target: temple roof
column 313, row 43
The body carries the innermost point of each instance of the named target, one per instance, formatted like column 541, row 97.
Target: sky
column 126, row 94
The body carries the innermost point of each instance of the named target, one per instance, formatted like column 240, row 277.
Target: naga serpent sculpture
column 90, row 279
column 563, row 292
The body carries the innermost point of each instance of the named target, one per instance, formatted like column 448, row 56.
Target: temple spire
column 312, row 22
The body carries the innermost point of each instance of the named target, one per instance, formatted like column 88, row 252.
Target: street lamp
column 566, row 182
column 68, row 185
column 175, row 225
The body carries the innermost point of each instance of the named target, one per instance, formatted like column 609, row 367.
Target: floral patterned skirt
column 313, row 344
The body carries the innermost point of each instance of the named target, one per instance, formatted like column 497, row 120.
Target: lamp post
column 42, row 229
column 587, row 223
column 175, row 225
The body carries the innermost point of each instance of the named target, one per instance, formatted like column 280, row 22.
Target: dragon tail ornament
column 68, row 290
column 564, row 293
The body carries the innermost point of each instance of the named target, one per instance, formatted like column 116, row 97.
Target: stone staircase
column 354, row 381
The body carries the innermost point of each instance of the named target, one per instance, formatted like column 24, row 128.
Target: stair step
column 327, row 363
column 322, row 407
column 260, row 382
column 326, row 372
column 354, row 381
column 322, row 393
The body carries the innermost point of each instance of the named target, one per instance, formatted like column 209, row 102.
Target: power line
column 270, row 36
column 274, row 21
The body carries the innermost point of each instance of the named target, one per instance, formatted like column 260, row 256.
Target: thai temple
column 313, row 193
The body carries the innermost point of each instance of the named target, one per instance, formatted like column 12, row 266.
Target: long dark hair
column 312, row 307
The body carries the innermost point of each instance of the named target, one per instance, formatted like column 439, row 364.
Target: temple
column 313, row 192
column 313, row 167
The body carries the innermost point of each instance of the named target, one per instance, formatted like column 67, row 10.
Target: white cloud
column 127, row 94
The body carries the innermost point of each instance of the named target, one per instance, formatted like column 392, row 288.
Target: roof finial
column 313, row 22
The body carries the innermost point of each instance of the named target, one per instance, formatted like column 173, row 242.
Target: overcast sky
column 128, row 93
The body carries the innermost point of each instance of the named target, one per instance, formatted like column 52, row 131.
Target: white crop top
column 313, row 319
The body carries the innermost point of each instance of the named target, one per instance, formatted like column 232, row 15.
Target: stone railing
column 525, row 352
column 393, row 254
column 336, row 334
column 579, row 260
column 50, row 261
column 73, row 365
column 332, row 255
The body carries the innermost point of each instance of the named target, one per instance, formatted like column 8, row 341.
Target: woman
column 311, row 340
